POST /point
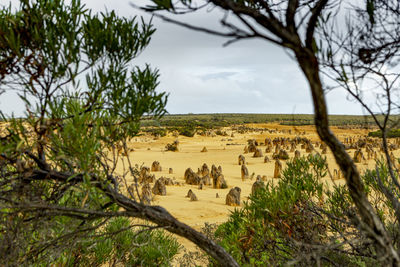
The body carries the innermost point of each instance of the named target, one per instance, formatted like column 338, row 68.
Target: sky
column 203, row 76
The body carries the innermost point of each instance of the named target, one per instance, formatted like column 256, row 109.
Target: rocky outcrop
column 337, row 174
column 257, row 185
column 358, row 156
column 244, row 172
column 204, row 170
column 205, row 180
column 309, row 147
column 191, row 195
column 159, row 187
column 204, row 149
column 172, row 147
column 217, row 177
column 268, row 141
column 145, row 176
column 241, row 160
column 214, row 171
column 297, row 154
column 252, row 145
column 191, row 177
column 146, row 194
column 169, row 181
column 258, row 153
column 132, row 190
column 144, row 171
column 156, row 166
column 233, row 197
column 292, row 147
column 282, row 154
column 219, row 182
column 278, row 169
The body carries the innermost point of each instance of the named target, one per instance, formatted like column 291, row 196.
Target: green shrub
column 157, row 132
column 188, row 131
column 281, row 223
column 118, row 243
column 391, row 134
column 220, row 132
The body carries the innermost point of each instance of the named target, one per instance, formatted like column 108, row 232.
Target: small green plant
column 156, row 132
column 390, row 134
column 221, row 132
column 188, row 131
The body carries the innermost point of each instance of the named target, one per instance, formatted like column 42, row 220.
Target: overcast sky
column 202, row 76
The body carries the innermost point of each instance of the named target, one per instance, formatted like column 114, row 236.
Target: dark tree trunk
column 371, row 222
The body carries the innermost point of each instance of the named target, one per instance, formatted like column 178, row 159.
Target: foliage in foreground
column 83, row 101
column 300, row 221
column 120, row 243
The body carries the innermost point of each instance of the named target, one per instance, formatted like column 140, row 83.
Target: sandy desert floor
column 222, row 151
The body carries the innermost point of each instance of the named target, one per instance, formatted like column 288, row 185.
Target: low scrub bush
column 188, row 131
column 390, row 134
column 119, row 244
column 296, row 221
column 221, row 132
column 157, row 132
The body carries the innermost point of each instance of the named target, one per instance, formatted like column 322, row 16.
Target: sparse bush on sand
column 280, row 222
column 390, row 134
column 188, row 131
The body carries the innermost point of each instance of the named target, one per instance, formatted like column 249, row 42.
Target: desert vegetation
column 210, row 121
